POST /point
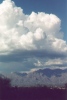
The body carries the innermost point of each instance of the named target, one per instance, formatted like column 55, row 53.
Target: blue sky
column 33, row 34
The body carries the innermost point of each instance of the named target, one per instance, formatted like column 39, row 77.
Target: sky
column 33, row 35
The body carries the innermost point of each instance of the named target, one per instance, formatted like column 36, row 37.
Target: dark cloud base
column 23, row 55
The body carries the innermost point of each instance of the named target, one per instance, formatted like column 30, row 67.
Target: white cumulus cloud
column 28, row 32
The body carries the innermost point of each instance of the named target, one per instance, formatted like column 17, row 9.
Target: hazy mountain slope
column 40, row 77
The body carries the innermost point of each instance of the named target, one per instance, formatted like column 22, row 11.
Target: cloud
column 38, row 64
column 22, row 36
column 28, row 32
column 51, row 63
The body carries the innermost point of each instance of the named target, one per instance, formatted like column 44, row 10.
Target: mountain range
column 41, row 77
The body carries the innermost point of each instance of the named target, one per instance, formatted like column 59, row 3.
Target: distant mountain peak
column 40, row 77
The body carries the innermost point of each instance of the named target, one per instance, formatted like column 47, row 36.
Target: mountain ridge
column 40, row 77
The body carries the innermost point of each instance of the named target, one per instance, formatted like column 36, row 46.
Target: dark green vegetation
column 30, row 93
